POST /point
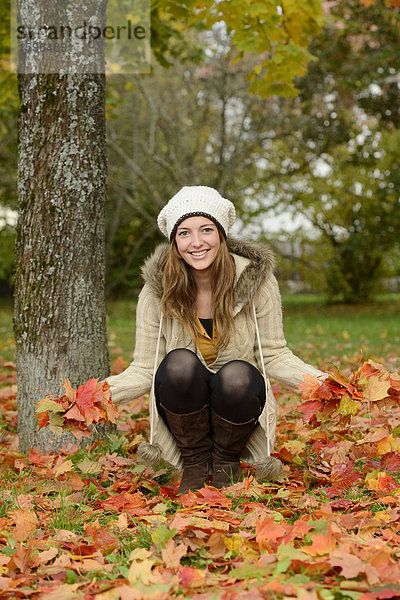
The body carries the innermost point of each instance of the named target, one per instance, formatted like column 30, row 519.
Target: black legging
column 184, row 385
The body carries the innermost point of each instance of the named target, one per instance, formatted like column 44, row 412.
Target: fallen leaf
column 64, row 467
column 236, row 543
column 376, row 389
column 350, row 564
column 26, row 523
column 172, row 554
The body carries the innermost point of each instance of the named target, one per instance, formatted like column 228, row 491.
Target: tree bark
column 59, row 316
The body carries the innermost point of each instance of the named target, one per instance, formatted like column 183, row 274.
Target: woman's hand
column 321, row 378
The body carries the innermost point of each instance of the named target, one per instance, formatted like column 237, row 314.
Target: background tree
column 338, row 162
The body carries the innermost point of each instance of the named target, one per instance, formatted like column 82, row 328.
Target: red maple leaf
column 310, row 409
column 343, row 474
column 86, row 398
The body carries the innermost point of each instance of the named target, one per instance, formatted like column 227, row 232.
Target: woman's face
column 198, row 242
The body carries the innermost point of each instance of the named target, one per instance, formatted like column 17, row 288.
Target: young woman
column 208, row 335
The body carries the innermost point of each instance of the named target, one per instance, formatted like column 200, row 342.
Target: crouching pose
column 208, row 335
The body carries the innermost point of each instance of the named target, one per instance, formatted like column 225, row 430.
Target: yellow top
column 206, row 345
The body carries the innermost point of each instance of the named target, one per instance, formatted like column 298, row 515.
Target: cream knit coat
column 257, row 323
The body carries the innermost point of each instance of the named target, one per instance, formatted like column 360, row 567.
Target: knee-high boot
column 192, row 435
column 229, row 441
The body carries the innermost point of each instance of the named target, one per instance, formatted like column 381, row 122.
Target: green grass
column 314, row 329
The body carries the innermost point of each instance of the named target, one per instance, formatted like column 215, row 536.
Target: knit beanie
column 196, row 200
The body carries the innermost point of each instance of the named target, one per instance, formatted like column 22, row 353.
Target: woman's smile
column 199, row 253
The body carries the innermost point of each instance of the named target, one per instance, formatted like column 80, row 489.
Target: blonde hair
column 179, row 289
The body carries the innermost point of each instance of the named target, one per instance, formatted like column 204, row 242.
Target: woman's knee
column 179, row 368
column 238, row 391
column 236, row 379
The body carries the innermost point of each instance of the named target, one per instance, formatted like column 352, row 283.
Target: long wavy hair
column 180, row 288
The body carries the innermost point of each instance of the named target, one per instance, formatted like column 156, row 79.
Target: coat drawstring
column 265, row 378
column 152, row 408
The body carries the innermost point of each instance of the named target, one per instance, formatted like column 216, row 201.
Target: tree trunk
column 59, row 318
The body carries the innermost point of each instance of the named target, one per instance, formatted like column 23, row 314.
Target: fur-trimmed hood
column 260, row 262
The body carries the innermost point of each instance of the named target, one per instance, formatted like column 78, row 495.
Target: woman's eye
column 181, row 233
column 207, row 229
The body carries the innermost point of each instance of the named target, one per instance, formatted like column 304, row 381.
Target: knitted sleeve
column 280, row 362
column 137, row 378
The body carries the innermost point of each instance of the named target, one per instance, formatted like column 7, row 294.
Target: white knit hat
column 196, row 200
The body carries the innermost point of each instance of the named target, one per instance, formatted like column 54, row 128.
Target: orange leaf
column 21, row 558
column 214, row 497
column 86, row 397
column 26, row 522
column 70, row 392
column 172, row 554
column 74, row 414
column 44, row 557
column 309, row 386
column 191, row 577
column 321, row 544
column 268, row 533
column 43, row 419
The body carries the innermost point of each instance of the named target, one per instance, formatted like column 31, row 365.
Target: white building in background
column 8, row 217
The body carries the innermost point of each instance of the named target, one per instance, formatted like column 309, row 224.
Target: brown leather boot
column 229, row 439
column 192, row 436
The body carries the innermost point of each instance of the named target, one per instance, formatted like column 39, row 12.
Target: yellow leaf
column 294, row 446
column 382, row 515
column 64, row 467
column 372, row 480
column 388, row 444
column 140, row 554
column 141, row 570
column 80, row 557
column 240, row 546
column 89, row 467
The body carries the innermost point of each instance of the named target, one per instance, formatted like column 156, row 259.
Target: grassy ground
column 341, row 333
column 314, row 329
column 95, row 524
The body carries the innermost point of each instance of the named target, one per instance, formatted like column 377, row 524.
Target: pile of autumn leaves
column 342, row 397
column 77, row 411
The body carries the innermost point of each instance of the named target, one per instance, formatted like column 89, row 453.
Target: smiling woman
column 209, row 329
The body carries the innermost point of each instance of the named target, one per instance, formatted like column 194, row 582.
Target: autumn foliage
column 94, row 524
column 343, row 396
column 77, row 410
